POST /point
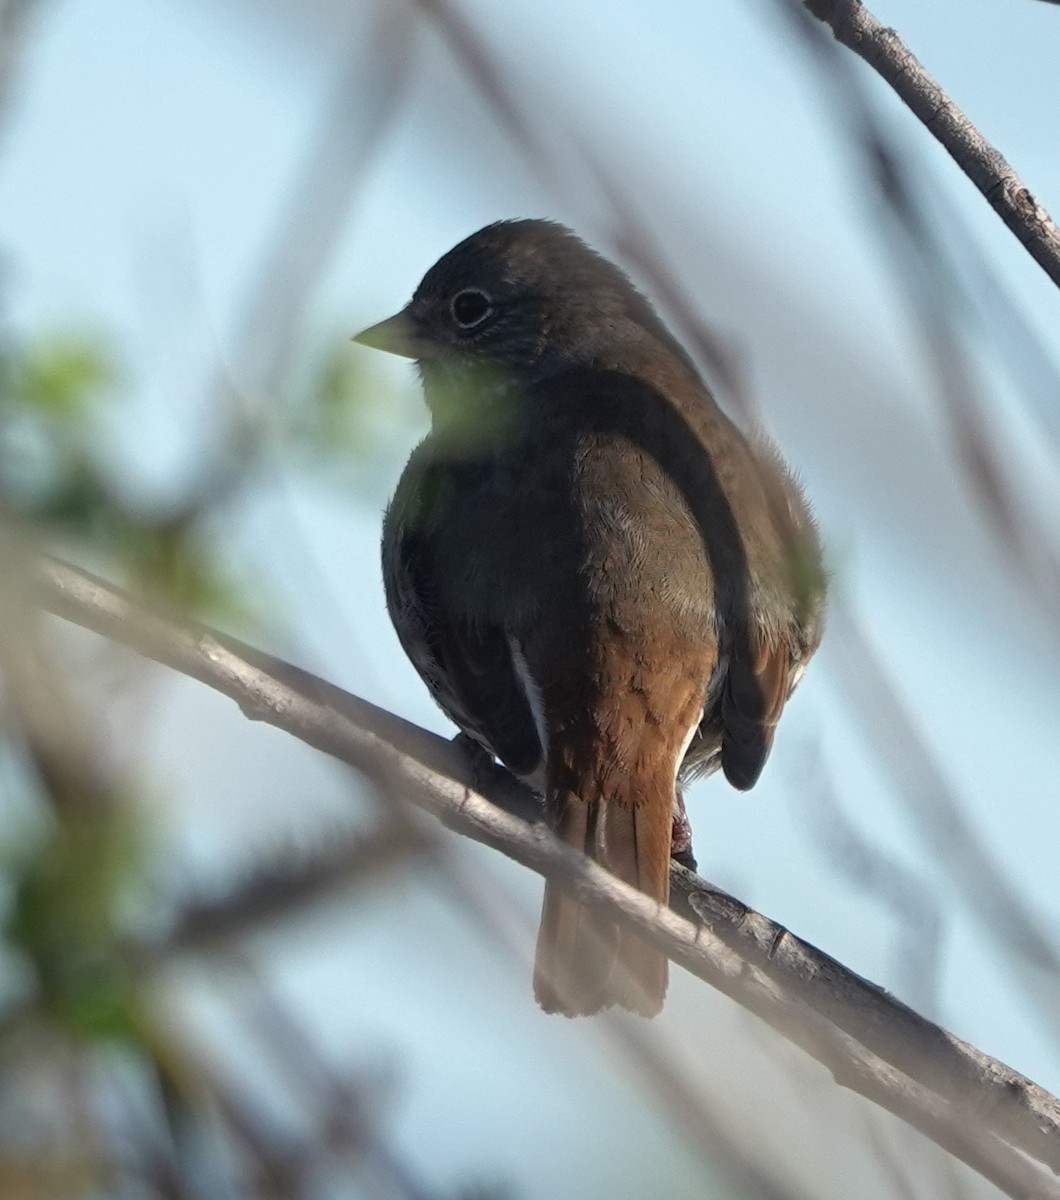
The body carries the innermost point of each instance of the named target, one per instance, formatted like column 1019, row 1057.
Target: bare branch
column 977, row 1108
column 985, row 166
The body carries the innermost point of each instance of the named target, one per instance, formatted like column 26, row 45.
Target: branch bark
column 977, row 1108
column 855, row 27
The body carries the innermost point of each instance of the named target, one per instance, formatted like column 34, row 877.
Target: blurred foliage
column 330, row 419
column 80, row 945
column 55, row 394
column 70, row 893
column 348, row 417
column 62, row 377
column 72, row 858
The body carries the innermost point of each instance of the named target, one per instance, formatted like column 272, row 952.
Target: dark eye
column 471, row 308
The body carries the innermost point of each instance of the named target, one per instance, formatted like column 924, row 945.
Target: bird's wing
column 469, row 667
column 759, row 679
column 765, row 666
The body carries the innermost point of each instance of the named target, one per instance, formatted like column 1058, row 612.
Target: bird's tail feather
column 586, row 961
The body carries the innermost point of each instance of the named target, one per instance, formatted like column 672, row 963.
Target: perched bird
column 599, row 578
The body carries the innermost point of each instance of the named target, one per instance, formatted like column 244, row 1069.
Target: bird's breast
column 578, row 520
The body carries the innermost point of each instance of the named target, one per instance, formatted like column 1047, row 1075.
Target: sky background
column 152, row 167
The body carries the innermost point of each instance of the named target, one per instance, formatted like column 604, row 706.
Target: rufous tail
column 585, row 961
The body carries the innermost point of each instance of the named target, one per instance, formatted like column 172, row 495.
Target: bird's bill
column 395, row 335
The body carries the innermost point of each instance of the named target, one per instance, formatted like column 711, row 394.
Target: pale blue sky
column 149, row 158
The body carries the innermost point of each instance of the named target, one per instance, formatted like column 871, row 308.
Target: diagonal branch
column 980, row 1110
column 985, row 166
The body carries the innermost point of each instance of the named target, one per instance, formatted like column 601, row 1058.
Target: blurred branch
column 1021, row 935
column 986, row 167
column 475, row 59
column 353, row 128
column 14, row 30
column 633, row 243
column 346, row 1111
column 739, row 1160
column 280, row 888
column 869, row 869
column 974, row 1106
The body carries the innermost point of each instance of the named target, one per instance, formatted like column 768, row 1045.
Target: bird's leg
column 681, row 846
column 478, row 757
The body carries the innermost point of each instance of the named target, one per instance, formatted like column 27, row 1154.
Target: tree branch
column 976, row 1107
column 985, row 166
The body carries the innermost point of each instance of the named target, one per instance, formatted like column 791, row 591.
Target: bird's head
column 519, row 297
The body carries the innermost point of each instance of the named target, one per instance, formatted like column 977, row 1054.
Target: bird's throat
column 473, row 409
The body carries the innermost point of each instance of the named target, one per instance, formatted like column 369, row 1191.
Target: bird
column 601, row 580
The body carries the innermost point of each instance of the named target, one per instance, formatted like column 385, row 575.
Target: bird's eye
column 471, row 308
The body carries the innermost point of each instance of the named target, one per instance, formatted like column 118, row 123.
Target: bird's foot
column 478, row 757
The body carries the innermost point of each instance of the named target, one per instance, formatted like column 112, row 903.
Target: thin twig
column 985, row 166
